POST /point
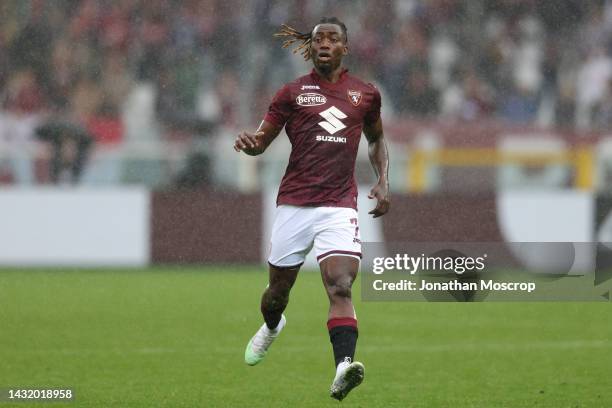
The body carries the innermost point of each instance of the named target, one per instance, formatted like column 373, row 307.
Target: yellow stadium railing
column 581, row 159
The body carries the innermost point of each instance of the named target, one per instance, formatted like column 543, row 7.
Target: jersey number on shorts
column 354, row 221
column 332, row 121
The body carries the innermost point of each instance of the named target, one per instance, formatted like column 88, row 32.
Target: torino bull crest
column 354, row 97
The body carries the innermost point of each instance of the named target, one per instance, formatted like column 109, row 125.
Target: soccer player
column 324, row 114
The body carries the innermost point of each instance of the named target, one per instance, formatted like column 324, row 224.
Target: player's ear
column 345, row 50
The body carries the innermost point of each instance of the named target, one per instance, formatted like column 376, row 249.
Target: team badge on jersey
column 354, row 97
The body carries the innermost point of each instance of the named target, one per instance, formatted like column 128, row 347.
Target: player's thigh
column 292, row 236
column 337, row 233
column 338, row 247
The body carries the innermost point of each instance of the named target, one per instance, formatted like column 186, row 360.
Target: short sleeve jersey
column 323, row 121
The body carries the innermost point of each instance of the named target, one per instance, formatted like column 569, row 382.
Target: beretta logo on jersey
column 310, row 99
column 354, row 97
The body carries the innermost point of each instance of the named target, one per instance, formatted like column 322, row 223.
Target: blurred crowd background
column 106, row 92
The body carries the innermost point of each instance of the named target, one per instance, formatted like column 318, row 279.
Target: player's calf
column 276, row 296
column 273, row 303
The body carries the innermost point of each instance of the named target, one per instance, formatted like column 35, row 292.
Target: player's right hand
column 248, row 141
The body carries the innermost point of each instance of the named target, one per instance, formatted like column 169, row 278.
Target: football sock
column 343, row 336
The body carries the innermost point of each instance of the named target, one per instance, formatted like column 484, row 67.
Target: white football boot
column 261, row 341
column 348, row 376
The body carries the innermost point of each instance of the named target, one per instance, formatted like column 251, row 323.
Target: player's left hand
column 381, row 193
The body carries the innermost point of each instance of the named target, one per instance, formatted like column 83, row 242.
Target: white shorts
column 331, row 230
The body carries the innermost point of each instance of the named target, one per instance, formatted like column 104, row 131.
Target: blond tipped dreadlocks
column 292, row 36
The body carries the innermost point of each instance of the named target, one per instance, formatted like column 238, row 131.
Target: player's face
column 328, row 47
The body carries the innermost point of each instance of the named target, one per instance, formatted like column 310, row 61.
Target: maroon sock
column 343, row 336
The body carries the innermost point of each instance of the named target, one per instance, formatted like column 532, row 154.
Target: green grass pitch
column 175, row 337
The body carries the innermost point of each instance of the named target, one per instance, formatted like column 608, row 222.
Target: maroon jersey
column 324, row 123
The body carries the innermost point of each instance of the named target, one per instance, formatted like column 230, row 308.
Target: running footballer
column 324, row 114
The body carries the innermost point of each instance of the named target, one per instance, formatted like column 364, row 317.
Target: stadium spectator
column 442, row 59
column 519, row 106
column 602, row 112
column 73, row 39
column 591, row 84
column 470, row 99
column 70, row 146
column 418, row 98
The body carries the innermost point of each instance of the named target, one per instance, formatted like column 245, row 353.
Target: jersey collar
column 315, row 76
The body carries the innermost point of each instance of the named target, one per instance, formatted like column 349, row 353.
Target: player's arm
column 379, row 157
column 256, row 143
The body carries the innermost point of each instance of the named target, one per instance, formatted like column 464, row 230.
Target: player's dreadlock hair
column 294, row 35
